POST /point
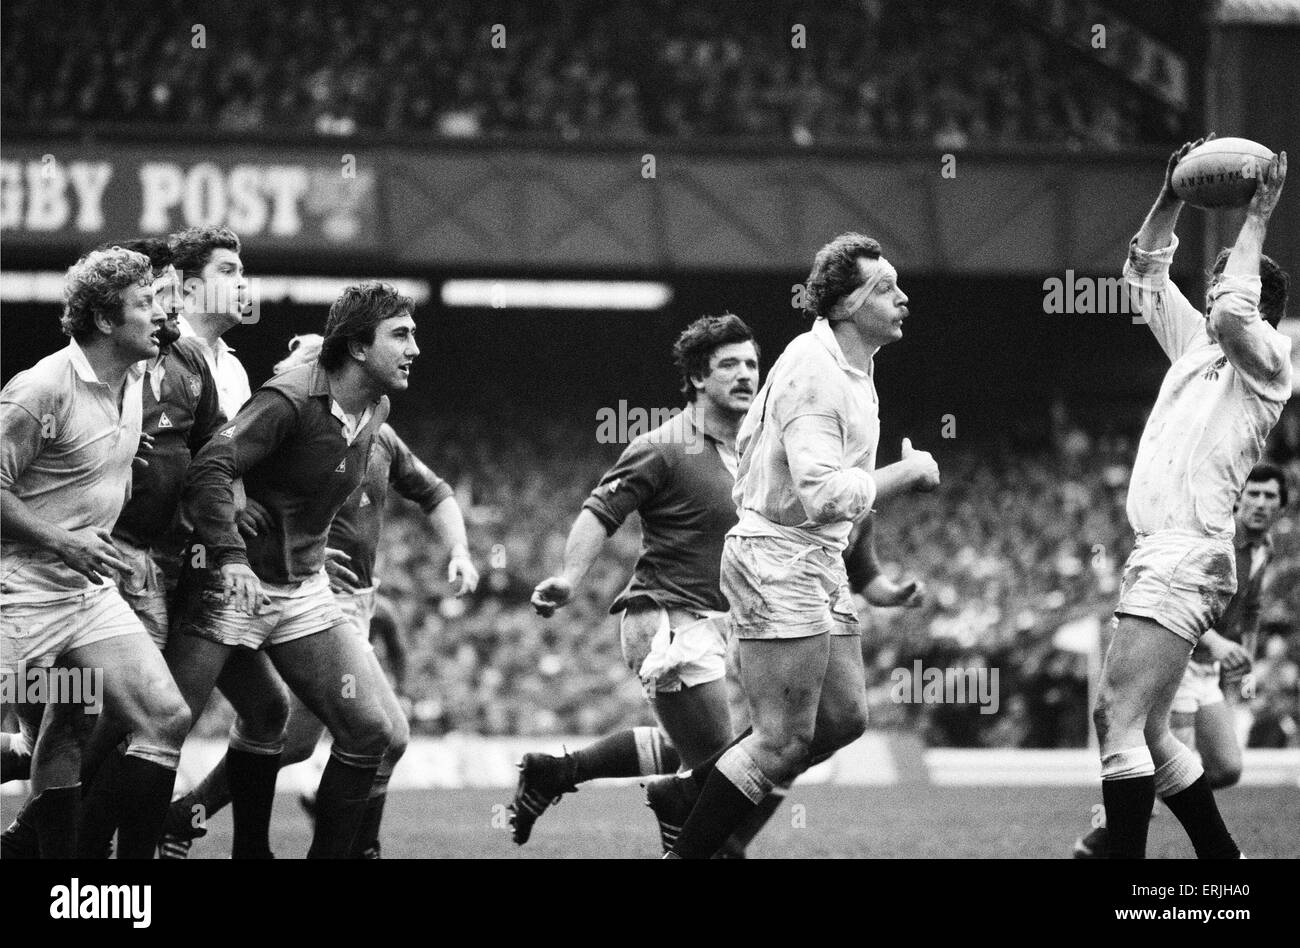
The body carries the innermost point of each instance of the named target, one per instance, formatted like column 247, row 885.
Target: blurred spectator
column 922, row 73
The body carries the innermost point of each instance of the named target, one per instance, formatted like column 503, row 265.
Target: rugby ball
column 1220, row 173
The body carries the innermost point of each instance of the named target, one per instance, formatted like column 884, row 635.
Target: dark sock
column 340, row 807
column 719, row 812
column 700, row 773
column 100, row 809
column 251, row 778
column 613, row 756
column 183, row 815
column 15, row 761
column 1199, row 814
column 368, row 835
column 145, row 790
column 19, row 841
column 54, row 814
column 1128, row 804
column 739, row 841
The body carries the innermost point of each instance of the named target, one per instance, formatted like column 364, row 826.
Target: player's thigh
column 392, row 707
column 302, row 732
column 1216, row 739
column 843, row 704
column 196, row 664
column 737, row 700
column 1143, row 667
column 138, row 686
column 695, row 719
column 256, row 692
column 783, row 679
column 333, row 673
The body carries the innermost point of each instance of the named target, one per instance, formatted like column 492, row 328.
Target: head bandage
column 853, row 302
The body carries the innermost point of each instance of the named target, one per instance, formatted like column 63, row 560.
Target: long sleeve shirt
column 181, row 412
column 299, row 457
column 808, row 446
column 360, row 520
column 1214, row 410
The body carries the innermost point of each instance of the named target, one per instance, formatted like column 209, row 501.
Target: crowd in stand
column 868, row 73
column 1011, row 550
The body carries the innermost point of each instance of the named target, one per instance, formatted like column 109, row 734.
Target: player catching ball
column 1230, row 376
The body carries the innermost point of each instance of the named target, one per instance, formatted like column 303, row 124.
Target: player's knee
column 265, row 719
column 401, row 737
column 167, row 720
column 367, row 732
column 850, row 725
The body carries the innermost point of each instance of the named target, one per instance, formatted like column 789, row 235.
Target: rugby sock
column 15, row 757
column 100, row 808
column 1128, row 791
column 341, row 803
column 54, row 814
column 251, row 778
column 145, row 791
column 1199, row 814
column 638, row 752
column 367, row 845
column 18, row 841
column 734, row 789
column 700, row 774
column 738, row 842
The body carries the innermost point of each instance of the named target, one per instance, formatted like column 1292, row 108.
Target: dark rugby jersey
column 360, row 520
column 289, row 447
column 180, row 422
column 675, row 477
column 1240, row 617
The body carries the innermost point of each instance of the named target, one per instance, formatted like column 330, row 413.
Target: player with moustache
column 350, row 562
column 1228, row 380
column 679, row 478
column 70, row 427
column 807, row 475
column 301, row 445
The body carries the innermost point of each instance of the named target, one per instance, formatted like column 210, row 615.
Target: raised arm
column 1247, row 340
column 1174, row 321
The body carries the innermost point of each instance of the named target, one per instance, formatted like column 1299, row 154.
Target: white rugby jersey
column 830, row 472
column 65, row 451
column 1209, row 423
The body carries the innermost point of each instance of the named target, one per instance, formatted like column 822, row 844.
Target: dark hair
column 93, row 287
column 1273, row 285
column 354, row 316
column 191, row 249
column 698, row 341
column 835, row 273
column 1270, row 472
column 155, row 248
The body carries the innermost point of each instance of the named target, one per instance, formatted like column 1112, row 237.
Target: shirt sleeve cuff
column 606, row 517
column 1150, row 265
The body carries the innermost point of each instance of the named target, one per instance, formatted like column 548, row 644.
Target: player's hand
column 242, row 588
column 253, row 519
column 462, row 574
column 90, row 552
column 550, row 594
column 139, row 462
column 1268, row 187
column 1234, row 659
column 886, row 593
column 923, row 467
column 342, row 579
column 1167, row 191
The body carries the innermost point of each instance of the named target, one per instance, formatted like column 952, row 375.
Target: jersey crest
column 1212, row 373
column 164, row 421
